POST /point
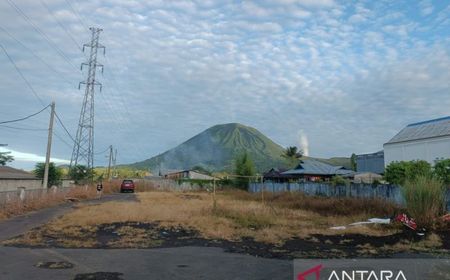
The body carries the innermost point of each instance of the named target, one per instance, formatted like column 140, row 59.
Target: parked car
column 127, row 186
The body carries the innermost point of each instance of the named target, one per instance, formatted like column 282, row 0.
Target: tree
column 400, row 171
column 353, row 161
column 54, row 173
column 244, row 167
column 442, row 170
column 292, row 154
column 5, row 158
column 81, row 174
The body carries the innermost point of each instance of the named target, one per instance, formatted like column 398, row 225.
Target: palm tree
column 292, row 154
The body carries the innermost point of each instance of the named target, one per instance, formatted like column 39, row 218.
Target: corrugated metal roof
column 423, row 130
column 314, row 167
column 7, row 172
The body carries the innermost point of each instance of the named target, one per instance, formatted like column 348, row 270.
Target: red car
column 127, row 186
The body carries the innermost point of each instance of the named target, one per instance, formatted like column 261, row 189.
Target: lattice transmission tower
column 83, row 149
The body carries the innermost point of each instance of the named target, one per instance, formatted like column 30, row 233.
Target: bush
column 425, row 199
column 442, row 170
column 400, row 171
column 339, row 181
column 81, row 174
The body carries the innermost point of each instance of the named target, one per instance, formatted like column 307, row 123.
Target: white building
column 428, row 140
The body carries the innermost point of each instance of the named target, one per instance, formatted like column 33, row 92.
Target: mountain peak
column 216, row 149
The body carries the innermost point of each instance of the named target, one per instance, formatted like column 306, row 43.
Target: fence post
column 22, row 193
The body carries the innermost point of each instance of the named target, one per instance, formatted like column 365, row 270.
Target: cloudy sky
column 342, row 76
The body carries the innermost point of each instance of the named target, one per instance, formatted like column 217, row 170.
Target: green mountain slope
column 216, row 148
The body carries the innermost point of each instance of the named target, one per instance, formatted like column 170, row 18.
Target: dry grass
column 322, row 205
column 233, row 218
column 48, row 198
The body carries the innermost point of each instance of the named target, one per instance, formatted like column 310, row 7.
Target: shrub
column 81, row 174
column 339, row 181
column 400, row 171
column 442, row 170
column 425, row 199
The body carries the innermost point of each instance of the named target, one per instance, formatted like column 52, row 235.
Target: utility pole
column 114, row 163
column 110, row 160
column 49, row 146
column 83, row 149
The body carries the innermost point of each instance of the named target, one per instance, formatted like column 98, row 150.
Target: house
column 7, row 172
column 11, row 179
column 373, row 162
column 187, row 174
column 275, row 175
column 314, row 170
column 427, row 140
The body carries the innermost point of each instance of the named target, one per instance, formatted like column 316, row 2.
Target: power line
column 37, row 29
column 77, row 15
column 98, row 153
column 35, row 55
column 22, row 128
column 23, row 77
column 27, row 117
column 62, row 140
column 64, row 127
column 60, row 24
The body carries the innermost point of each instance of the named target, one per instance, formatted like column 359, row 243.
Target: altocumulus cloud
column 348, row 75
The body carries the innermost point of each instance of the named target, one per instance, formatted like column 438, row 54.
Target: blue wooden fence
column 389, row 192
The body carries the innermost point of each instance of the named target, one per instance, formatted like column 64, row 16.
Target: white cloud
column 175, row 68
column 30, row 157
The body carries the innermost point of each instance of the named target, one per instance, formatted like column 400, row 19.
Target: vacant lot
column 285, row 226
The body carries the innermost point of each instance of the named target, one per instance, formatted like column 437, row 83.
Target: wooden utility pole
column 262, row 189
column 114, row 163
column 49, row 146
column 214, row 194
column 110, row 160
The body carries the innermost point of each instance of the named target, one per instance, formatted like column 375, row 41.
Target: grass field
column 159, row 218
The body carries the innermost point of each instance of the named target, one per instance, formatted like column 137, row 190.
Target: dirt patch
column 153, row 235
column 190, row 196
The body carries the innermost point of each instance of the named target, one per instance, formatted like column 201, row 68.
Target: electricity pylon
column 83, row 149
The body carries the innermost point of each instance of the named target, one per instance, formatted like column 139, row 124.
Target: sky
column 334, row 77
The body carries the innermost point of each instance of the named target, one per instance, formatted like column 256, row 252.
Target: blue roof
column 423, row 130
column 430, row 121
column 315, row 167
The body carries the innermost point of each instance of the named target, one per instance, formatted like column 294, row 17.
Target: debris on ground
column 54, row 265
column 72, row 199
column 405, row 220
column 369, row 221
column 446, row 217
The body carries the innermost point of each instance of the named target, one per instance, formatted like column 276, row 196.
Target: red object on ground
column 446, row 217
column 404, row 219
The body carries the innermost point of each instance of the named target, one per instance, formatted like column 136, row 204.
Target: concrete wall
column 7, row 185
column 388, row 192
column 428, row 149
column 14, row 184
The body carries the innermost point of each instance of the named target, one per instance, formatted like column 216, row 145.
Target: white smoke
column 303, row 144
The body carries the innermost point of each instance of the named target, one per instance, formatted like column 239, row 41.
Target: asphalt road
column 21, row 224
column 166, row 263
